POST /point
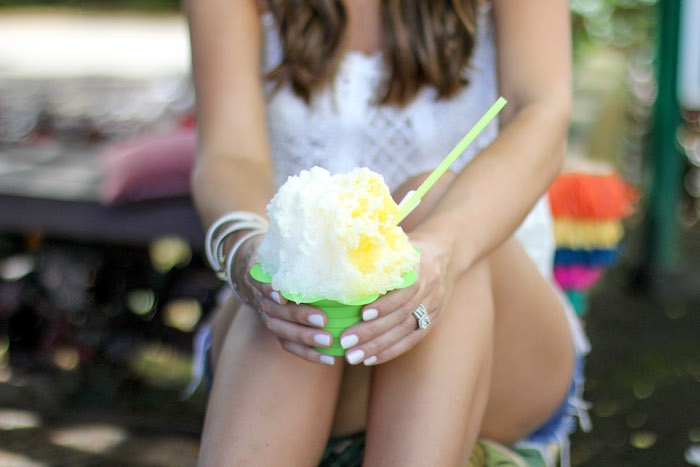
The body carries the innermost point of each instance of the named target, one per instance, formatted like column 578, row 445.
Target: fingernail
column 327, row 359
column 369, row 313
column 276, row 297
column 355, row 356
column 316, row 320
column 348, row 341
column 370, row 361
column 323, row 340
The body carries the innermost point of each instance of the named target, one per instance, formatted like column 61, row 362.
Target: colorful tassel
column 587, row 234
column 586, row 196
column 577, row 277
column 588, row 211
column 578, row 300
column 598, row 257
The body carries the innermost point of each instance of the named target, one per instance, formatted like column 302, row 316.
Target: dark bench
column 54, row 191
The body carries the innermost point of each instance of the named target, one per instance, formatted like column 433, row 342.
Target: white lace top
column 342, row 128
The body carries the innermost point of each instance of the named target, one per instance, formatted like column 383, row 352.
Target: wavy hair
column 425, row 43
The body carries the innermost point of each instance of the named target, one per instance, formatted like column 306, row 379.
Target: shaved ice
column 333, row 237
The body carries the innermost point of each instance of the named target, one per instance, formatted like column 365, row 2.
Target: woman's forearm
column 223, row 184
column 495, row 191
column 233, row 170
column 492, row 195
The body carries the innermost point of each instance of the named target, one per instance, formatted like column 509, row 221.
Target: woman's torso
column 343, row 127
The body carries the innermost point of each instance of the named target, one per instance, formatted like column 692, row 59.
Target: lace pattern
column 343, row 128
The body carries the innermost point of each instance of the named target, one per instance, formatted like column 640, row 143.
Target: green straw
column 451, row 157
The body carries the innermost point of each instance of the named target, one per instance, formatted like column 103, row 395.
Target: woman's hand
column 296, row 326
column 390, row 328
column 391, row 331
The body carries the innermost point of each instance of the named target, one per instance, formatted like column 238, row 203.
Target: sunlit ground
column 644, row 369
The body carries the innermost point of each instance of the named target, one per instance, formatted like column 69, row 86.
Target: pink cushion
column 153, row 166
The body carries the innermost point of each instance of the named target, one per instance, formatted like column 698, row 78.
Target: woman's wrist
column 450, row 243
column 224, row 241
column 228, row 232
column 239, row 263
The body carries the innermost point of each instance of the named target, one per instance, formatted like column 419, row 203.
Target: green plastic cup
column 341, row 315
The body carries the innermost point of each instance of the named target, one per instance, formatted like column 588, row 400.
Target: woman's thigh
column 497, row 365
column 426, row 406
column 220, row 325
column 267, row 406
column 533, row 348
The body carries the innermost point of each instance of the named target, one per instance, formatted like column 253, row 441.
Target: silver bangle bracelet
column 229, row 262
column 218, row 243
column 224, row 221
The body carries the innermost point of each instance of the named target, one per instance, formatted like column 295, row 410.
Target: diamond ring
column 421, row 316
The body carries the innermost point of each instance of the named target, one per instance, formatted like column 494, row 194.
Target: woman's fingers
column 406, row 329
column 389, row 314
column 295, row 326
column 307, row 353
column 301, row 314
column 380, row 316
column 266, row 290
column 387, row 304
column 296, row 332
column 400, row 347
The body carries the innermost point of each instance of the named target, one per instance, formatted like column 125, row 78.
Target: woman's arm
column 233, row 169
column 494, row 192
column 484, row 204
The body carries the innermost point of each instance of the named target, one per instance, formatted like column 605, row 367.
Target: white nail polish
column 348, row 341
column 327, row 360
column 355, row 356
column 323, row 340
column 370, row 361
column 276, row 297
column 369, row 313
column 316, row 320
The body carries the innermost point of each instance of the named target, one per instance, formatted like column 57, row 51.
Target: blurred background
column 103, row 285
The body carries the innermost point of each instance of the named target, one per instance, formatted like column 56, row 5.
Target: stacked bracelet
column 217, row 234
column 225, row 226
column 232, row 255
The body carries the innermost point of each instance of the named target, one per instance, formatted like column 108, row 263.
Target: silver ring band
column 422, row 317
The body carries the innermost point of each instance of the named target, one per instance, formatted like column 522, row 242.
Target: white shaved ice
column 333, row 237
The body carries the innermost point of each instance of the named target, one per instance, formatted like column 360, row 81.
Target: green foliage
column 621, row 24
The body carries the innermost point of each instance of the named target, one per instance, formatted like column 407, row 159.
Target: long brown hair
column 425, row 42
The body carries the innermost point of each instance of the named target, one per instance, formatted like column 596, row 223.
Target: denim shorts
column 562, row 421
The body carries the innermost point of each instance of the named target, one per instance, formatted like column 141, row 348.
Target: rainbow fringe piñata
column 588, row 210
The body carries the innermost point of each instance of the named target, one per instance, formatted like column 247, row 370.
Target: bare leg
column 248, row 361
column 497, row 364
column 487, row 365
column 267, row 406
column 223, row 317
column 426, row 403
column 533, row 356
